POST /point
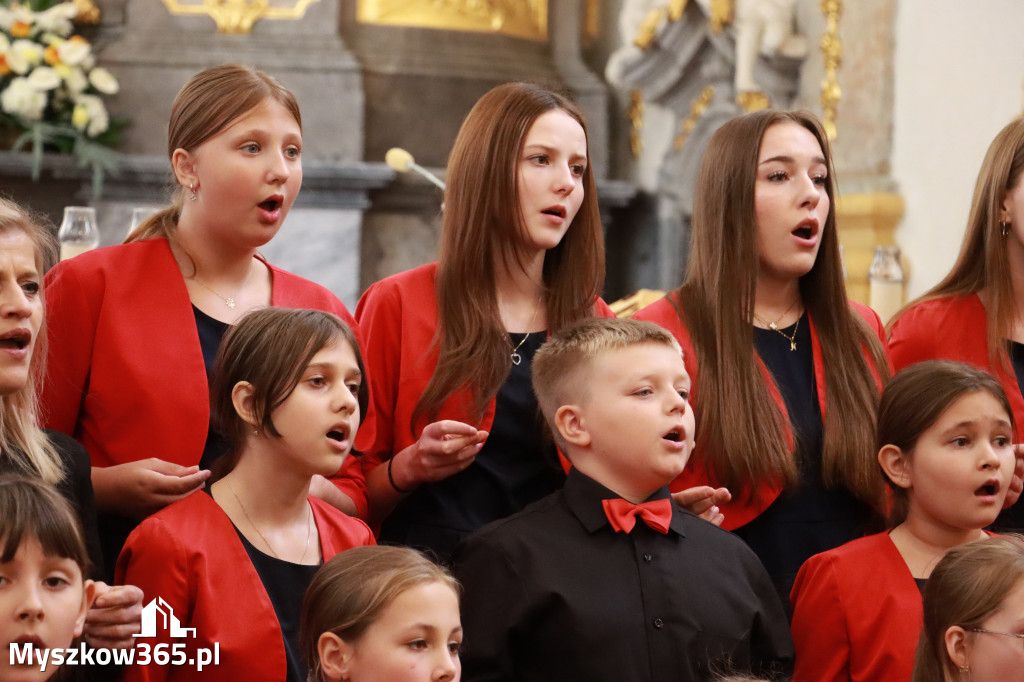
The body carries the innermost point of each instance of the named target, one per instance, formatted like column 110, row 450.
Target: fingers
column 696, row 500
column 115, row 616
column 722, row 496
column 177, row 485
column 448, row 427
column 714, row 516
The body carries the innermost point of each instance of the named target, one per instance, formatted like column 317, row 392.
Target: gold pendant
column 516, row 359
column 229, row 302
column 792, row 345
column 774, row 327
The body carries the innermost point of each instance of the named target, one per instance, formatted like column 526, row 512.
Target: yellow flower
column 21, row 29
column 80, row 117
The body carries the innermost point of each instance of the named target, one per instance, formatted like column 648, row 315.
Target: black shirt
column 808, row 518
column 211, row 332
column 553, row 593
column 516, row 466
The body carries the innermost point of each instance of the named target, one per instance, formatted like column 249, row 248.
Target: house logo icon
column 159, row 609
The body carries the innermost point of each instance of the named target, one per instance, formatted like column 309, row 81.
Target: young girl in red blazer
column 786, row 371
column 457, row 441
column 234, row 561
column 975, row 314
column 945, row 433
column 134, row 328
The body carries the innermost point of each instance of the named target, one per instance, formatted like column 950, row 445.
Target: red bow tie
column 622, row 514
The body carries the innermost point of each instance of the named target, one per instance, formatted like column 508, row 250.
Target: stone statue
column 694, row 65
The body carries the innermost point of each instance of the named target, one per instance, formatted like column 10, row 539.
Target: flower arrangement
column 51, row 90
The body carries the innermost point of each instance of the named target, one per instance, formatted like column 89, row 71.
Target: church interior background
column 913, row 91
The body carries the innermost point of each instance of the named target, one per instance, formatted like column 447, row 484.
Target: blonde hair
column 559, row 365
column 206, row 105
column 350, row 591
column 22, row 442
column 967, row 586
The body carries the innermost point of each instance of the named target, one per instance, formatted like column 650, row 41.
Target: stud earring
column 192, row 188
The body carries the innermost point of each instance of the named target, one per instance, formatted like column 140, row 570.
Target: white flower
column 58, row 18
column 73, row 52
column 95, row 114
column 28, row 52
column 44, row 78
column 104, row 81
column 21, row 99
column 74, row 79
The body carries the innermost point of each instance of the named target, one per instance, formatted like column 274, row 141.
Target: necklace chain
column 516, row 358
column 774, row 326
column 229, row 301
column 309, row 525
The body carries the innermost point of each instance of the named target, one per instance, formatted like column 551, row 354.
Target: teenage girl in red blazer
column 134, row 328
column 945, row 444
column 786, row 372
column 974, row 315
column 234, row 562
column 457, row 441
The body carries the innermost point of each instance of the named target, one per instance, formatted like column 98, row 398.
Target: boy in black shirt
column 607, row 579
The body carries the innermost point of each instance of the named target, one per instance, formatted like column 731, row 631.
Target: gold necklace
column 229, row 301
column 309, row 525
column 516, row 358
column 774, row 326
column 789, row 337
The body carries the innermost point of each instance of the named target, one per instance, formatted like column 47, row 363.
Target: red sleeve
column 601, row 308
column 154, row 561
column 911, row 340
column 380, row 317
column 72, row 310
column 819, row 627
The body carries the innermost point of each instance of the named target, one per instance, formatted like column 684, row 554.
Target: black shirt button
column 658, row 623
column 647, row 558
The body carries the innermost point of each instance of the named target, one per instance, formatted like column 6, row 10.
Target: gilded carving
column 697, row 109
column 636, row 118
column 832, row 50
column 519, row 18
column 238, row 16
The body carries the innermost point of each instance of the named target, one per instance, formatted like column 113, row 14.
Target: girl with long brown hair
column 976, row 313
column 134, row 328
column 457, row 437
column 786, row 371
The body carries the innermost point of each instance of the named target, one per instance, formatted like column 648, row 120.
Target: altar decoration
column 52, row 91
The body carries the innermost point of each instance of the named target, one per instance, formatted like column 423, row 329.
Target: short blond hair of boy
column 559, row 366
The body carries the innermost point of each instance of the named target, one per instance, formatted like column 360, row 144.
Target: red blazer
column 950, row 329
column 857, row 614
column 125, row 373
column 740, row 510
column 398, row 318
column 190, row 555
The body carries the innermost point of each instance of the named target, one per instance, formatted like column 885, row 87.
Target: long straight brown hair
column 983, row 262
column 483, row 230
column 739, row 424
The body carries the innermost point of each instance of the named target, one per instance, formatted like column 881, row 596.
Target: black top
column 921, row 584
column 516, row 466
column 211, row 331
column 553, row 593
column 1012, row 520
column 808, row 518
column 285, row 584
column 75, row 487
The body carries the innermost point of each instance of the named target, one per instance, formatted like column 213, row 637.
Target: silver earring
column 1004, row 228
column 192, row 188
column 965, row 668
